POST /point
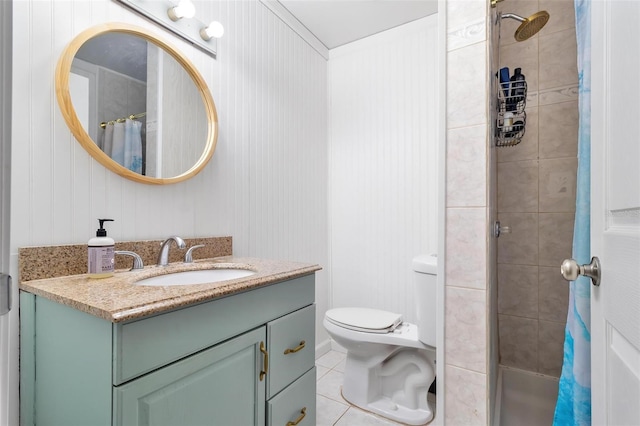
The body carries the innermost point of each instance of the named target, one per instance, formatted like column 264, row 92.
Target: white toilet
column 390, row 363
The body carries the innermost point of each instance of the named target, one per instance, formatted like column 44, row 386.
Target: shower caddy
column 511, row 117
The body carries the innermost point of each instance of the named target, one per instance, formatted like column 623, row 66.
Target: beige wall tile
column 466, row 166
column 466, row 248
column 465, row 331
column 518, row 342
column 466, row 397
column 558, row 63
column 518, row 186
column 562, row 15
column 558, row 94
column 521, row 245
column 467, row 86
column 470, row 33
column 553, row 295
column 462, row 12
column 518, row 290
column 556, row 238
column 558, row 185
column 522, row 55
column 550, row 347
column 527, row 149
column 559, row 135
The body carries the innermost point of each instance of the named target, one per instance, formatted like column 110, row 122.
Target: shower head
column 528, row 26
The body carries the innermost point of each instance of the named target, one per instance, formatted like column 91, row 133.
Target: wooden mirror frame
column 63, row 95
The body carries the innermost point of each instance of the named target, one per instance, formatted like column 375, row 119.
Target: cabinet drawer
column 291, row 344
column 290, row 404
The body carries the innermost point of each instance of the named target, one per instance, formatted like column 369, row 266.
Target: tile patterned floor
column 331, row 408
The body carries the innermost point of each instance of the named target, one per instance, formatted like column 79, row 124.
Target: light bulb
column 213, row 30
column 184, row 9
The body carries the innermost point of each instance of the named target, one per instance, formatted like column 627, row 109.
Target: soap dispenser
column 101, row 253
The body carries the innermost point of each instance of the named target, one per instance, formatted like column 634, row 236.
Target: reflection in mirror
column 144, row 108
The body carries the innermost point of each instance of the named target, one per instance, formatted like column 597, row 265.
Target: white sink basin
column 203, row 276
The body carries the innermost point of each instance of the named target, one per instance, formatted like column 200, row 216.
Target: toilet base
column 385, row 407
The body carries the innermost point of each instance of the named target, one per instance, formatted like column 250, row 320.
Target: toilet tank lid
column 426, row 264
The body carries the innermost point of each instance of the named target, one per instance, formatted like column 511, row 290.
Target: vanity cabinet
column 245, row 359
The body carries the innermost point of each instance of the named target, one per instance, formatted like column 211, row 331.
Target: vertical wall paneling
column 268, row 86
column 384, row 165
column 266, row 184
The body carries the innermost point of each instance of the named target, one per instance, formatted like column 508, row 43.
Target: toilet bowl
column 390, row 363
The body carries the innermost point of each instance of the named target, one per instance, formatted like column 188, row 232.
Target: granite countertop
column 117, row 299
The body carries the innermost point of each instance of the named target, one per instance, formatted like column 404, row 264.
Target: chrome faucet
column 163, row 257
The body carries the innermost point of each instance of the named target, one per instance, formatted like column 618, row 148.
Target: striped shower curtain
column 574, row 392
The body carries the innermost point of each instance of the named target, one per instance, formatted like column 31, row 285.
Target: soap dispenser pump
column 101, row 253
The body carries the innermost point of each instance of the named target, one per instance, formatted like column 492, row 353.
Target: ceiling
column 338, row 22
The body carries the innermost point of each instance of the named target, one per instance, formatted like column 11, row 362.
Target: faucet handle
column 188, row 257
column 137, row 260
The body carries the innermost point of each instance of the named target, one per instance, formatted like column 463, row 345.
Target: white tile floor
column 331, row 408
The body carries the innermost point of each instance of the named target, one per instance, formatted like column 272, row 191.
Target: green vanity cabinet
column 236, row 360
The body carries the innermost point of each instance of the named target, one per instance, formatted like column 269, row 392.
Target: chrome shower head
column 528, row 26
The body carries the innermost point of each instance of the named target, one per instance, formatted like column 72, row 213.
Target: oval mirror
column 136, row 104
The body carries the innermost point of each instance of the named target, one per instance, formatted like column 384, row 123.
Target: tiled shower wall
column 469, row 367
column 536, row 191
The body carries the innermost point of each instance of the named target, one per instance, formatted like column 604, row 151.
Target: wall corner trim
column 287, row 17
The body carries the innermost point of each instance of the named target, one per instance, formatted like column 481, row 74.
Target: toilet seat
column 365, row 320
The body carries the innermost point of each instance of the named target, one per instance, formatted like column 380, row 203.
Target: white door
column 615, row 211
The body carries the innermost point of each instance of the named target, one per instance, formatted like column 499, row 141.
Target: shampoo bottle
column 101, row 253
column 517, row 86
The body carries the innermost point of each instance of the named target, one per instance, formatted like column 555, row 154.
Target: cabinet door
column 218, row 386
column 296, row 405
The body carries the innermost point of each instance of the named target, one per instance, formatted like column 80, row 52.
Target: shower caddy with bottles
column 512, row 90
column 512, row 99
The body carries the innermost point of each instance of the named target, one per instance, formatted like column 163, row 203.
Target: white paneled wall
column 383, row 174
column 266, row 184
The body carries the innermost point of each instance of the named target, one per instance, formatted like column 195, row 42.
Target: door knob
column 570, row 270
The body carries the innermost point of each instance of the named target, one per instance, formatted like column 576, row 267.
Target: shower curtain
column 574, row 392
column 123, row 143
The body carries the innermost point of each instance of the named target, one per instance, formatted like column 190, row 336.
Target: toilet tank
column 425, row 278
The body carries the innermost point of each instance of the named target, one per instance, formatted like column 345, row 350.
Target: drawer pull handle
column 296, row 349
column 303, row 413
column 265, row 362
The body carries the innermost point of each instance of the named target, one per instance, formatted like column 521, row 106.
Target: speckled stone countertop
column 117, row 299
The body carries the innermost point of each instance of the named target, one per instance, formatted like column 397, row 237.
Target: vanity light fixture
column 179, row 17
column 213, row 30
column 184, row 9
